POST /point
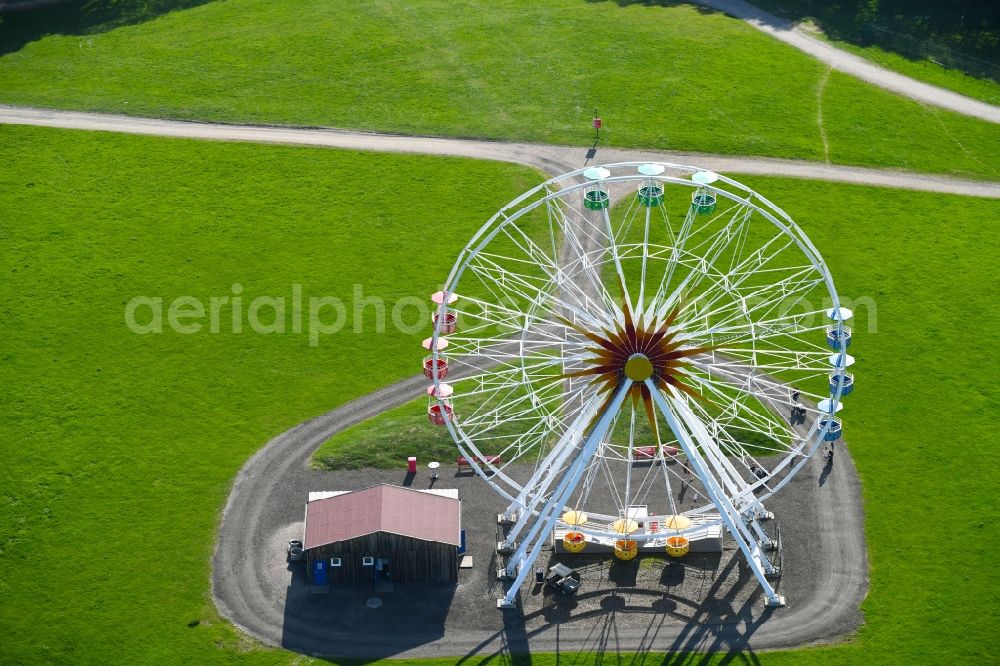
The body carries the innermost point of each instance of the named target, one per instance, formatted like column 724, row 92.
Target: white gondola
column 650, row 190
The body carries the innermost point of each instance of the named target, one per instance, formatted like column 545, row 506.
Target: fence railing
column 913, row 47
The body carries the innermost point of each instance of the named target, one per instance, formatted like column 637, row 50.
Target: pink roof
column 383, row 508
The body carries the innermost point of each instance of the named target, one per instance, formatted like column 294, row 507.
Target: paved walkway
column 854, row 65
column 548, row 158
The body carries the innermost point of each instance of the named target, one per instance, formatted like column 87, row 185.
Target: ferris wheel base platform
column 706, row 540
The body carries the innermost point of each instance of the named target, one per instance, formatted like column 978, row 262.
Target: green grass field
column 670, row 77
column 119, row 448
column 918, row 424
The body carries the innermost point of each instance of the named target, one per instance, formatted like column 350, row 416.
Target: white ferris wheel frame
column 537, row 508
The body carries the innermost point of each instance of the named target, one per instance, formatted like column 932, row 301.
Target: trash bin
column 411, row 464
column 539, row 576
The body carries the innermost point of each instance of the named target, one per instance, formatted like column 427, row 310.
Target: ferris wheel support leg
column 762, row 537
column 520, row 562
column 752, row 550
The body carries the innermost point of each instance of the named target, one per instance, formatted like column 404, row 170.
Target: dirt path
column 854, row 65
column 550, row 159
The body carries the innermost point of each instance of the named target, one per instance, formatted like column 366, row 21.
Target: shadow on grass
column 24, row 21
column 963, row 35
column 702, row 9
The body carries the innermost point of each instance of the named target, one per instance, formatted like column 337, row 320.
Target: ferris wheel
column 636, row 357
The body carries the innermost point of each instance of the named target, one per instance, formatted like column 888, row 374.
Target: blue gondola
column 836, row 379
column 834, row 336
column 833, row 434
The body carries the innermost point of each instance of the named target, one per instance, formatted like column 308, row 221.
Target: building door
column 382, row 571
column 320, row 573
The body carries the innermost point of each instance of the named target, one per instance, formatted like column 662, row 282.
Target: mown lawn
column 118, row 449
column 919, row 424
column 670, row 77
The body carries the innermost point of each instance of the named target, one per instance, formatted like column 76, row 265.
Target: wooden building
column 383, row 533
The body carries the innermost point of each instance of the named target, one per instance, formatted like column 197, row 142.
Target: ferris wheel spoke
column 730, row 400
column 506, row 346
column 711, row 242
column 750, row 266
column 762, row 335
column 600, row 303
column 504, row 373
column 750, row 325
column 734, row 360
column 552, row 292
column 505, row 293
column 628, row 220
column 584, row 262
column 609, row 478
column 726, row 301
column 739, row 416
column 717, row 244
column 511, row 327
column 789, row 455
column 732, row 285
column 499, row 398
column 520, row 286
column 710, row 463
column 737, row 390
column 766, row 398
column 641, row 304
column 613, row 245
column 676, row 252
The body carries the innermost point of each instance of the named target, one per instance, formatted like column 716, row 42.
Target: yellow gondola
column 574, row 542
column 678, row 546
column 626, row 549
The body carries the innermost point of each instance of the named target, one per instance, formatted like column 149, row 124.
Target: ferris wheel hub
column 638, row 368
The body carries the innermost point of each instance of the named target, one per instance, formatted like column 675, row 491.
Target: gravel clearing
column 706, row 602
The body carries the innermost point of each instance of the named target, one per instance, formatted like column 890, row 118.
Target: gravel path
column 854, row 65
column 550, row 159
